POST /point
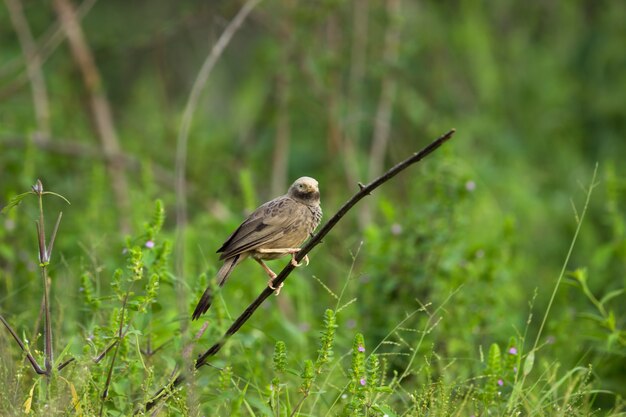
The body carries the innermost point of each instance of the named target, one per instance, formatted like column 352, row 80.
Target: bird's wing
column 265, row 225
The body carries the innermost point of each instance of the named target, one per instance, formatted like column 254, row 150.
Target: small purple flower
column 470, row 186
column 515, row 369
column 513, row 351
column 500, row 382
column 361, row 348
column 150, row 244
column 362, row 381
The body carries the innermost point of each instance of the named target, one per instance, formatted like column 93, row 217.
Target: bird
column 275, row 229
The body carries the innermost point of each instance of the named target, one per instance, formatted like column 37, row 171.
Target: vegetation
column 486, row 280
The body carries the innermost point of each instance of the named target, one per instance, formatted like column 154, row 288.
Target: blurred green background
column 337, row 90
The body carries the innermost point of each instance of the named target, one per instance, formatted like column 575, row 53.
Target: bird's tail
column 222, row 275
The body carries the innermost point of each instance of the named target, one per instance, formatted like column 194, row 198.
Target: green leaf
column 236, row 404
column 591, row 316
column 61, row 356
column 280, row 357
column 494, row 360
column 610, row 321
column 15, row 201
column 529, row 362
column 611, row 294
column 58, row 195
column 385, row 409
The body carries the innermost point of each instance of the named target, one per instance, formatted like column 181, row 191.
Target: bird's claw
column 270, row 284
column 297, row 264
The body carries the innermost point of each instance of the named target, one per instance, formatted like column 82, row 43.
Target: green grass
column 470, row 281
column 356, row 358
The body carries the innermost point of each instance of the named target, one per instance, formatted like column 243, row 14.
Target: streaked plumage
column 281, row 224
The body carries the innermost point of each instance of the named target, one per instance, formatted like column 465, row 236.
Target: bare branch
column 352, row 122
column 46, row 43
column 97, row 359
column 120, row 335
column 100, row 107
column 283, row 130
column 47, row 324
column 33, row 65
column 74, row 147
column 30, row 357
column 41, row 242
column 183, row 137
column 314, row 241
column 101, row 356
column 384, row 111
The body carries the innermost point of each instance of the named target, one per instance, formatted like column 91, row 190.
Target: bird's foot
column 277, row 250
column 297, row 264
column 270, row 284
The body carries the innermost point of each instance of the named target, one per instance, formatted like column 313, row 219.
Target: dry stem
column 100, row 108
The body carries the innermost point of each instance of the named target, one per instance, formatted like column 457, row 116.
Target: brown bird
column 275, row 229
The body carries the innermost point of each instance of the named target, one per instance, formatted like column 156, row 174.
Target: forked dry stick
column 314, row 241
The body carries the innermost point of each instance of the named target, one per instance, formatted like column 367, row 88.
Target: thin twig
column 557, row 285
column 40, row 242
column 53, row 237
column 30, row 357
column 354, row 109
column 298, row 405
column 38, row 321
column 43, row 263
column 283, row 131
column 46, row 45
column 120, row 336
column 82, row 150
column 44, row 258
column 314, row 241
column 33, row 65
column 98, row 358
column 151, row 352
column 384, row 111
column 343, row 133
column 192, row 103
column 183, row 138
column 101, row 356
column 64, row 364
column 47, row 322
column 100, row 107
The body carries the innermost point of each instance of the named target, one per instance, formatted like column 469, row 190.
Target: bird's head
column 306, row 190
